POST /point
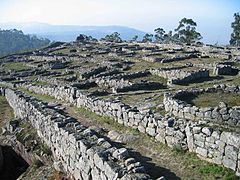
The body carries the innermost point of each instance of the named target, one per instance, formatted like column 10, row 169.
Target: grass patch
column 42, row 97
column 212, row 99
column 214, row 170
column 104, row 119
column 153, row 78
column 16, row 66
column 6, row 112
column 29, row 138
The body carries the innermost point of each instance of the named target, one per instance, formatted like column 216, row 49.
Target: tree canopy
column 114, row 37
column 147, row 38
column 235, row 36
column 12, row 41
column 186, row 31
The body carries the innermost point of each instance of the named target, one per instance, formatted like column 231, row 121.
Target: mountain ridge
column 70, row 32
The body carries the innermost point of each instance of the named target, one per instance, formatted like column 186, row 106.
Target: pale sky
column 213, row 17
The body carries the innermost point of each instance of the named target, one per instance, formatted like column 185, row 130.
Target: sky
column 213, row 17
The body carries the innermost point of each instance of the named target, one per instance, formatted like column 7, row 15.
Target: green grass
column 6, row 112
column 188, row 160
column 41, row 83
column 42, row 97
column 28, row 137
column 212, row 99
column 17, row 66
column 153, row 78
column 104, row 119
column 217, row 171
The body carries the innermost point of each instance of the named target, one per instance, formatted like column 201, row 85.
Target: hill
column 68, row 33
column 12, row 41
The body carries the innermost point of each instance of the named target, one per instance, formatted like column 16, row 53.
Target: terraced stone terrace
column 172, row 114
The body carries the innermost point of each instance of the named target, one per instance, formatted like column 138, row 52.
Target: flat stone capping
column 220, row 114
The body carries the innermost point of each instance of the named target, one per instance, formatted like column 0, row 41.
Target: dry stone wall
column 80, row 151
column 176, row 76
column 214, row 145
column 220, row 114
column 221, row 69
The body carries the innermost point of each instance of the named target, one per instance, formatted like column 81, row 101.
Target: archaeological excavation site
column 98, row 110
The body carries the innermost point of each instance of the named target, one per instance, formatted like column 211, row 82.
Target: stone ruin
column 95, row 75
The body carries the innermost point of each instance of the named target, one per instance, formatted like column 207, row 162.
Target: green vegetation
column 147, row 38
column 29, row 138
column 103, row 119
column 114, row 37
column 6, row 112
column 38, row 96
column 154, row 78
column 235, row 36
column 218, row 171
column 212, row 99
column 161, row 155
column 16, row 66
column 186, row 31
column 12, row 41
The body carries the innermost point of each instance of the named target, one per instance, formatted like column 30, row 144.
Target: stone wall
column 80, row 151
column 220, row 114
column 166, row 130
column 216, row 146
column 213, row 145
column 177, row 76
column 221, row 69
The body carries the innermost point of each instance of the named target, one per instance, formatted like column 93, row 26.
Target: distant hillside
column 12, row 41
column 70, row 32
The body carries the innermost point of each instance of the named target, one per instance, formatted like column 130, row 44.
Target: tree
column 186, row 31
column 134, row 39
column 168, row 37
column 159, row 36
column 114, row 37
column 12, row 41
column 235, row 36
column 147, row 38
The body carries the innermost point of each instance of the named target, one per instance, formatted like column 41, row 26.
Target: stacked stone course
column 220, row 114
column 213, row 145
column 178, row 76
column 80, row 151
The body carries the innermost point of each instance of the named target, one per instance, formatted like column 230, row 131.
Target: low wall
column 177, row 76
column 220, row 69
column 81, row 151
column 220, row 114
column 213, row 145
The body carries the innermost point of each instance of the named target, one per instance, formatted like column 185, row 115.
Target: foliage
column 16, row 66
column 134, row 39
column 159, row 36
column 12, row 41
column 235, row 36
column 114, row 37
column 186, row 31
column 147, row 38
column 85, row 38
